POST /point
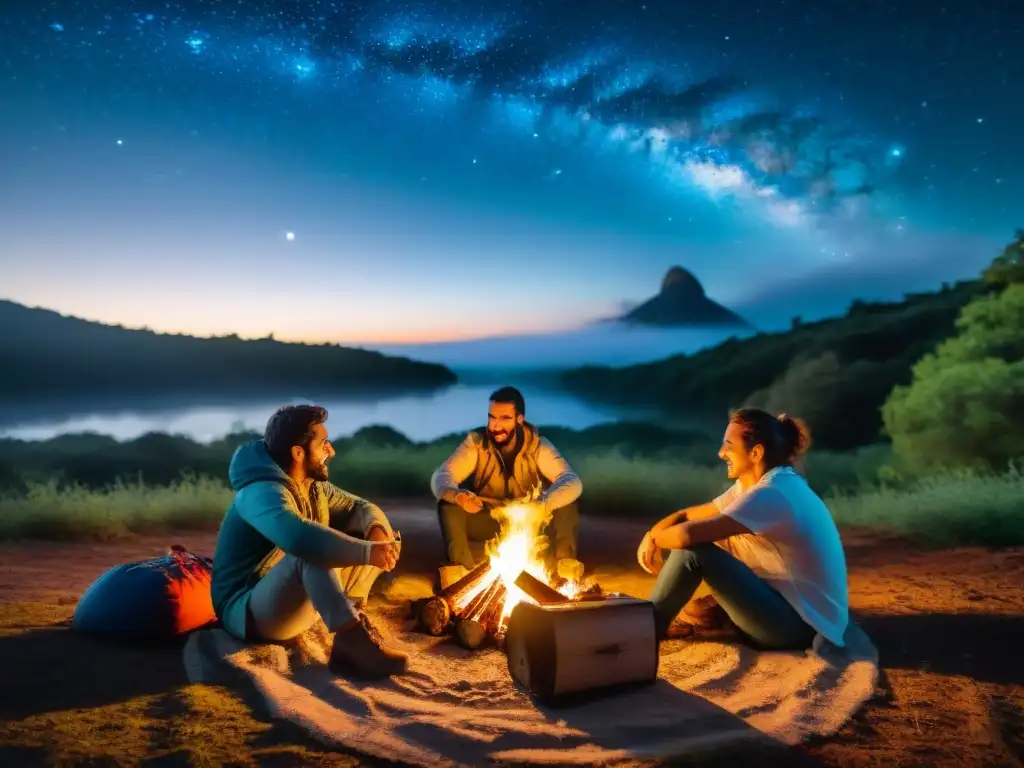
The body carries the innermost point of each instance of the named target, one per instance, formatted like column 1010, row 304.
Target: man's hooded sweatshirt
column 271, row 517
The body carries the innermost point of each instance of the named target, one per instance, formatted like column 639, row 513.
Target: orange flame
column 519, row 546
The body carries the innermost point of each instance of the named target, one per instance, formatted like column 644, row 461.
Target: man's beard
column 509, row 437
column 506, row 436
column 317, row 471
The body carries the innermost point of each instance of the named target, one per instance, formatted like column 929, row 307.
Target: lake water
column 418, row 416
column 494, row 362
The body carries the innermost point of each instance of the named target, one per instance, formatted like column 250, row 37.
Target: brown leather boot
column 360, row 652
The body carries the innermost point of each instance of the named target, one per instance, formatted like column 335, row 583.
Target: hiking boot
column 360, row 652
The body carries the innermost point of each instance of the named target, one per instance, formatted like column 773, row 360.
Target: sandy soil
column 949, row 625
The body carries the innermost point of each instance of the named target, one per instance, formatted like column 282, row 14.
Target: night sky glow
column 402, row 171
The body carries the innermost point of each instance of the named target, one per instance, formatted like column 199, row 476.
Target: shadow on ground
column 985, row 647
column 65, row 670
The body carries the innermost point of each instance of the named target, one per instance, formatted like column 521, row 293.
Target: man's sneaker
column 360, row 652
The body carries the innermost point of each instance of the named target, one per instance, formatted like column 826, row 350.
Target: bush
column 965, row 402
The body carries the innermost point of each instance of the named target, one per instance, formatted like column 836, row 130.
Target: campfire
column 478, row 605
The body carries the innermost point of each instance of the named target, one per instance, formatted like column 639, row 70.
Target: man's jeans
column 286, row 601
column 458, row 528
column 760, row 613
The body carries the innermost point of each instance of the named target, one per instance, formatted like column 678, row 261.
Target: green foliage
column 959, row 508
column 1008, row 267
column 633, row 468
column 377, row 459
column 965, row 403
column 55, row 512
column 44, row 354
column 989, row 327
column 835, row 373
column 811, row 387
column 947, row 509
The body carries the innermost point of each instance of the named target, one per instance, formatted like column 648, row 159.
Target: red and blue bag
column 149, row 601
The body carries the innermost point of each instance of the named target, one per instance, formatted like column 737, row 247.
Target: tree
column 965, row 403
column 1008, row 267
column 805, row 389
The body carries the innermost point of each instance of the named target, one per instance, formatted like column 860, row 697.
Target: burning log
column 490, row 617
column 436, row 613
column 538, row 590
column 479, row 603
column 453, row 592
column 591, row 591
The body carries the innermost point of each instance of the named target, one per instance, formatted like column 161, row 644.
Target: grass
column 62, row 513
column 952, row 508
column 942, row 510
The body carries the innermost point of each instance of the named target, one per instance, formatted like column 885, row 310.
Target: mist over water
column 598, row 344
column 420, row 416
column 528, row 362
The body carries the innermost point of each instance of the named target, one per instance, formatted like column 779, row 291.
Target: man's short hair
column 510, row 395
column 291, row 425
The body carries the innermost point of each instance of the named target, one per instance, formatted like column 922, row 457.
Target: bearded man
column 498, row 464
column 293, row 546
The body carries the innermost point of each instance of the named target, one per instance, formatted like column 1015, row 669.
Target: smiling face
column 740, row 463
column 502, row 421
column 313, row 459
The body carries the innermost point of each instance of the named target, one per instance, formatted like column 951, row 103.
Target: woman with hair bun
column 767, row 549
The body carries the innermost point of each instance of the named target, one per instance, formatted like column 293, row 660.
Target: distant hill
column 836, row 373
column 43, row 353
column 682, row 302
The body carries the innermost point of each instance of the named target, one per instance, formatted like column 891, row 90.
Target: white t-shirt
column 793, row 545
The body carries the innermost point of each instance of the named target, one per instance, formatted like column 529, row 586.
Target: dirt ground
column 949, row 626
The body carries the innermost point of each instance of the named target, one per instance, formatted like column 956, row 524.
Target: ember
column 513, row 572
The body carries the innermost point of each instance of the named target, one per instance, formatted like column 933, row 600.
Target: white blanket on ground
column 460, row 708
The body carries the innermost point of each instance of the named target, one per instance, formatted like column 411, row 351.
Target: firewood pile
column 473, row 607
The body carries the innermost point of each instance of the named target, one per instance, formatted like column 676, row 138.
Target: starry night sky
column 384, row 171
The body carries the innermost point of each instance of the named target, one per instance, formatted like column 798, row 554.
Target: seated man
column 293, row 546
column 767, row 549
column 503, row 462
